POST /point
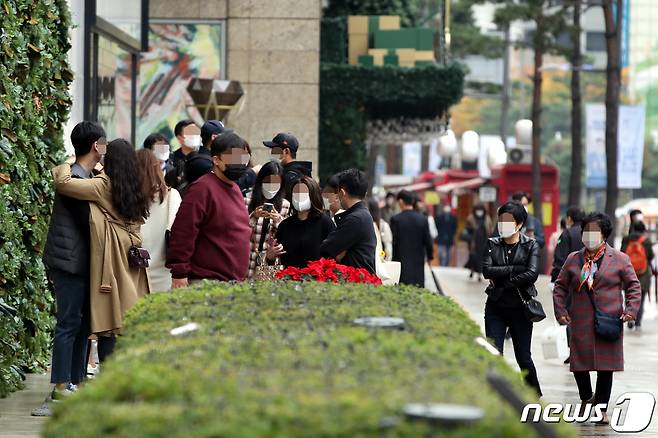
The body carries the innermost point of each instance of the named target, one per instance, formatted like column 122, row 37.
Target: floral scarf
column 590, row 268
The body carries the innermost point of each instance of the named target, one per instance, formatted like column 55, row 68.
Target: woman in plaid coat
column 604, row 272
column 266, row 190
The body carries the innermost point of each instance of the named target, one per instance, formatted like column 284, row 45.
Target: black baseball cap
column 212, row 127
column 283, row 140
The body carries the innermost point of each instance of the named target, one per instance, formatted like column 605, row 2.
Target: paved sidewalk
column 15, row 419
column 558, row 385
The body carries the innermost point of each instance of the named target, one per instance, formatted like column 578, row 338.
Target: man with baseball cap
column 200, row 163
column 284, row 146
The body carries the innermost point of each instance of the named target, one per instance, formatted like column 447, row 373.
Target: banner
column 435, row 158
column 595, row 170
column 412, row 159
column 630, row 146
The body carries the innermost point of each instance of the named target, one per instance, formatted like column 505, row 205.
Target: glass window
column 177, row 53
column 595, row 42
column 124, row 14
column 113, row 89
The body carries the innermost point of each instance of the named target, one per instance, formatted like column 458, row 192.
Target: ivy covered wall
column 34, row 103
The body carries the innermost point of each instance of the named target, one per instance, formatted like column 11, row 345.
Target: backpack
column 638, row 255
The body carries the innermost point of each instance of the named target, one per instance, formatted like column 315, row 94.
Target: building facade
column 134, row 61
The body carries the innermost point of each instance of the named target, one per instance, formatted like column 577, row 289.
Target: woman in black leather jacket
column 511, row 265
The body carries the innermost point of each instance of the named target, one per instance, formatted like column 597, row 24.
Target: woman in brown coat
column 118, row 206
column 596, row 274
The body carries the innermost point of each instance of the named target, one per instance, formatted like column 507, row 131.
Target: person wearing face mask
column 353, row 242
column 284, row 148
column 330, row 196
column 189, row 138
column 165, row 202
column 533, row 223
column 412, row 242
column 602, row 278
column 446, row 227
column 158, row 144
column 511, row 264
column 299, row 236
column 476, row 232
column 210, row 238
column 265, row 220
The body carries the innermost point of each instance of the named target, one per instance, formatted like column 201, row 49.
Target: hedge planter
column 286, row 359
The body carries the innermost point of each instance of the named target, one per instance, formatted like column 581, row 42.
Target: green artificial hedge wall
column 333, row 40
column 350, row 95
column 34, row 103
column 284, row 359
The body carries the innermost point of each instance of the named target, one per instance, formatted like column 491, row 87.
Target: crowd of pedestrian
column 127, row 223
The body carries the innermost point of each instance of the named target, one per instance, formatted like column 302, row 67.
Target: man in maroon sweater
column 211, row 234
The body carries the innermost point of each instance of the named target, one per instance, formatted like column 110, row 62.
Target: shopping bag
column 554, row 342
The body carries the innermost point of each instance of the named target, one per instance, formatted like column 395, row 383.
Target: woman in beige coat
column 117, row 205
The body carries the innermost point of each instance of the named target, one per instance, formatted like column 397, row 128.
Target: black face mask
column 235, row 171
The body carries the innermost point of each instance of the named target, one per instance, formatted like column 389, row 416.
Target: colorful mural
column 177, row 53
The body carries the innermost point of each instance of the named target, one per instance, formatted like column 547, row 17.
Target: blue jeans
column 496, row 322
column 72, row 328
column 444, row 255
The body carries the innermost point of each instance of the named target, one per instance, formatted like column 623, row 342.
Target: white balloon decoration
column 523, row 132
column 470, row 146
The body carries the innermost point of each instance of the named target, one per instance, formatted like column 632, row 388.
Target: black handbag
column 607, row 327
column 532, row 308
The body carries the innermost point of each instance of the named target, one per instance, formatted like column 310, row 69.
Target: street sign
column 487, row 194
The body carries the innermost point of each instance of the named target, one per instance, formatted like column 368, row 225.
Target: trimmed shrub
column 34, row 102
column 284, row 359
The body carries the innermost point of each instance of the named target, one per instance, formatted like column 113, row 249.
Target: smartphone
column 268, row 207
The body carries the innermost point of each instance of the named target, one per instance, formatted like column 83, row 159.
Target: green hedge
column 34, row 103
column 285, row 360
column 350, row 95
column 333, row 40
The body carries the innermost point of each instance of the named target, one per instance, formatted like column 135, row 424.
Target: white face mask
column 301, row 201
column 639, row 218
column 193, row 142
column 270, row 190
column 506, row 229
column 161, row 152
column 592, row 240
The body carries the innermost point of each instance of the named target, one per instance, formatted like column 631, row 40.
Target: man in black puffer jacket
column 66, row 257
column 569, row 241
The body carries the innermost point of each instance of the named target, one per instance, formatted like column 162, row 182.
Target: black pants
column 603, row 385
column 72, row 327
column 496, row 322
column 640, row 312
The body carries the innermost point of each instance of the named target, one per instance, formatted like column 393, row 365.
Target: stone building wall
column 273, row 49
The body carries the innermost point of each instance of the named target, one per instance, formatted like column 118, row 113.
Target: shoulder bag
column 607, row 327
column 138, row 257
column 532, row 308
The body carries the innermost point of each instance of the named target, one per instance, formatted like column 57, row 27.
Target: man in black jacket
column 285, row 146
column 569, row 241
column 66, row 257
column 411, row 241
column 353, row 242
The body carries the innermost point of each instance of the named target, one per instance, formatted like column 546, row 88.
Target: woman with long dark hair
column 267, row 207
column 163, row 208
column 118, row 207
column 299, row 236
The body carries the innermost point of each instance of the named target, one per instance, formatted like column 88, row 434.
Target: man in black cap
column 200, row 163
column 284, row 146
